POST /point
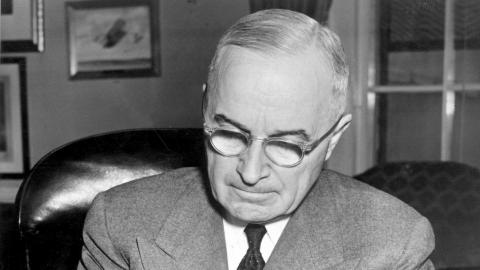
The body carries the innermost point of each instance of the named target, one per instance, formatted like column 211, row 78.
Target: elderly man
column 274, row 109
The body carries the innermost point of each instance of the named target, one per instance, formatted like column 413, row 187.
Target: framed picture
column 13, row 123
column 113, row 38
column 22, row 26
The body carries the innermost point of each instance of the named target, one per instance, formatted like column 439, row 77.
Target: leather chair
column 53, row 200
column 448, row 194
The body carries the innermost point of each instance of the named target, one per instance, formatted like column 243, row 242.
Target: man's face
column 266, row 96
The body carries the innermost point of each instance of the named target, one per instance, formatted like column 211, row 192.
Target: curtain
column 317, row 9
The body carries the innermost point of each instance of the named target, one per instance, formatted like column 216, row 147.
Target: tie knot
column 255, row 233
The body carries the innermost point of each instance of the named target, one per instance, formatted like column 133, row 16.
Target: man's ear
column 337, row 134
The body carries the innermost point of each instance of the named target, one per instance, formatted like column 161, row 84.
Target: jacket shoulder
column 139, row 207
column 366, row 200
column 377, row 224
column 161, row 188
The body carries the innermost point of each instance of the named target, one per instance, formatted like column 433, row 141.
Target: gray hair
column 284, row 32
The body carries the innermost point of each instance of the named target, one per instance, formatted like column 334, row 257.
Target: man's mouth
column 252, row 195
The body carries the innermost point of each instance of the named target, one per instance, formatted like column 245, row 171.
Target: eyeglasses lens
column 283, row 153
column 231, row 143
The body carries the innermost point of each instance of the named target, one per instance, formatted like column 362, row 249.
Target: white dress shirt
column 237, row 244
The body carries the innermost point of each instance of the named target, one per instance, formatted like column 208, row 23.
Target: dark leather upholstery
column 448, row 194
column 54, row 198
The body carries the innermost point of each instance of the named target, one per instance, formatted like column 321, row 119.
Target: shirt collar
column 274, row 228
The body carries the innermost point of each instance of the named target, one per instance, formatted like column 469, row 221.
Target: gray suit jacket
column 170, row 222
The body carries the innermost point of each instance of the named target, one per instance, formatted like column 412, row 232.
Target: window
column 423, row 84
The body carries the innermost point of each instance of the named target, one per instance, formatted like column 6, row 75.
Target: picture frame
column 113, row 38
column 22, row 24
column 14, row 149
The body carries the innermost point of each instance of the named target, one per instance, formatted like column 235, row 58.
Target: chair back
column 448, row 194
column 54, row 198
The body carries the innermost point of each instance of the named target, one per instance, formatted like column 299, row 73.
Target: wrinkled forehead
column 298, row 84
column 309, row 63
column 305, row 74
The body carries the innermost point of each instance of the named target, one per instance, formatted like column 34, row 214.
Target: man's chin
column 245, row 214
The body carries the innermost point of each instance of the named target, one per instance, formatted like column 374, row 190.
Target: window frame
column 365, row 100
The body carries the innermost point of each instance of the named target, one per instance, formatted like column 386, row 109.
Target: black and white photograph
column 240, row 135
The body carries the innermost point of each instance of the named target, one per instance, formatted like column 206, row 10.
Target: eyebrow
column 297, row 132
column 221, row 118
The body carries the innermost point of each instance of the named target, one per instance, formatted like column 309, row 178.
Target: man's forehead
column 252, row 84
column 309, row 68
column 281, row 78
column 312, row 57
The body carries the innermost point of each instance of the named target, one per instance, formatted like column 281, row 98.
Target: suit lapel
column 193, row 234
column 311, row 239
column 192, row 237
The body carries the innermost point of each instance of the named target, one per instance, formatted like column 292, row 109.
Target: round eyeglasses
column 281, row 151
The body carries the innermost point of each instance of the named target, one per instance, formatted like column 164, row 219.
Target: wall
column 60, row 110
column 343, row 20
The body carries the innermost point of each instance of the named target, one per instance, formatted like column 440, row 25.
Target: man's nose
column 253, row 165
